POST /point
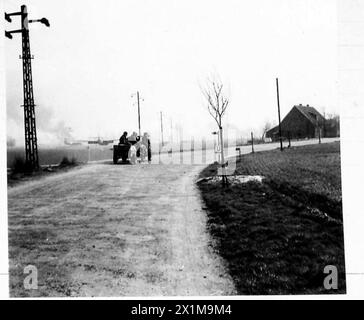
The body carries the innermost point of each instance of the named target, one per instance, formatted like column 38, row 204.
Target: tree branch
column 217, row 103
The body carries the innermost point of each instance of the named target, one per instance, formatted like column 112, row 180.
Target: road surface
column 106, row 230
column 115, row 230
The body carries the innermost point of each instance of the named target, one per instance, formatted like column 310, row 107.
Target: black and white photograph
column 175, row 148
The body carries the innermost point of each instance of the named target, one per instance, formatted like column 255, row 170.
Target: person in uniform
column 123, row 139
column 146, row 142
column 133, row 138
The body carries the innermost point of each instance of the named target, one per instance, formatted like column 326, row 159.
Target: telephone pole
column 31, row 146
column 252, row 137
column 162, row 129
column 140, row 132
column 171, row 131
column 279, row 116
column 138, row 102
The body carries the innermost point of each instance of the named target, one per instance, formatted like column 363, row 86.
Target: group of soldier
column 140, row 147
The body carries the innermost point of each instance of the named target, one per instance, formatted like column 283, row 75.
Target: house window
column 313, row 115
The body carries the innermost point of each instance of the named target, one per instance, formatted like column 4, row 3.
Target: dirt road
column 106, row 230
column 116, row 230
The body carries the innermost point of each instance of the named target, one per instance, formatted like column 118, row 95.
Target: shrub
column 65, row 162
column 20, row 166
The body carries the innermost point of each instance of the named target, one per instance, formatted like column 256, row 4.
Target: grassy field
column 19, row 174
column 277, row 236
column 51, row 156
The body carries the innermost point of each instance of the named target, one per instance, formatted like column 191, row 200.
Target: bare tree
column 267, row 127
column 217, row 103
column 332, row 125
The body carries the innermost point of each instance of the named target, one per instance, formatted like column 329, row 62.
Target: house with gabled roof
column 300, row 123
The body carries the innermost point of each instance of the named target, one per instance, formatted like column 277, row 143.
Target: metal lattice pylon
column 31, row 146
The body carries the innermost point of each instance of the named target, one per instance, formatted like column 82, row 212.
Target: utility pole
column 324, row 133
column 31, row 146
column 252, row 136
column 180, row 133
column 162, row 129
column 279, row 116
column 140, row 132
column 171, row 131
column 319, row 133
column 289, row 139
column 138, row 103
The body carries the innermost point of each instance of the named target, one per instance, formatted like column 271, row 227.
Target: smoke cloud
column 50, row 130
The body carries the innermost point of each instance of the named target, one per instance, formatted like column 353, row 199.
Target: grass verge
column 20, row 171
column 278, row 236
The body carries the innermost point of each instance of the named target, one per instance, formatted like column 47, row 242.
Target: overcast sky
column 98, row 53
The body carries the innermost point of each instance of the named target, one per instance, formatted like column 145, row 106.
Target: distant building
column 300, row 123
